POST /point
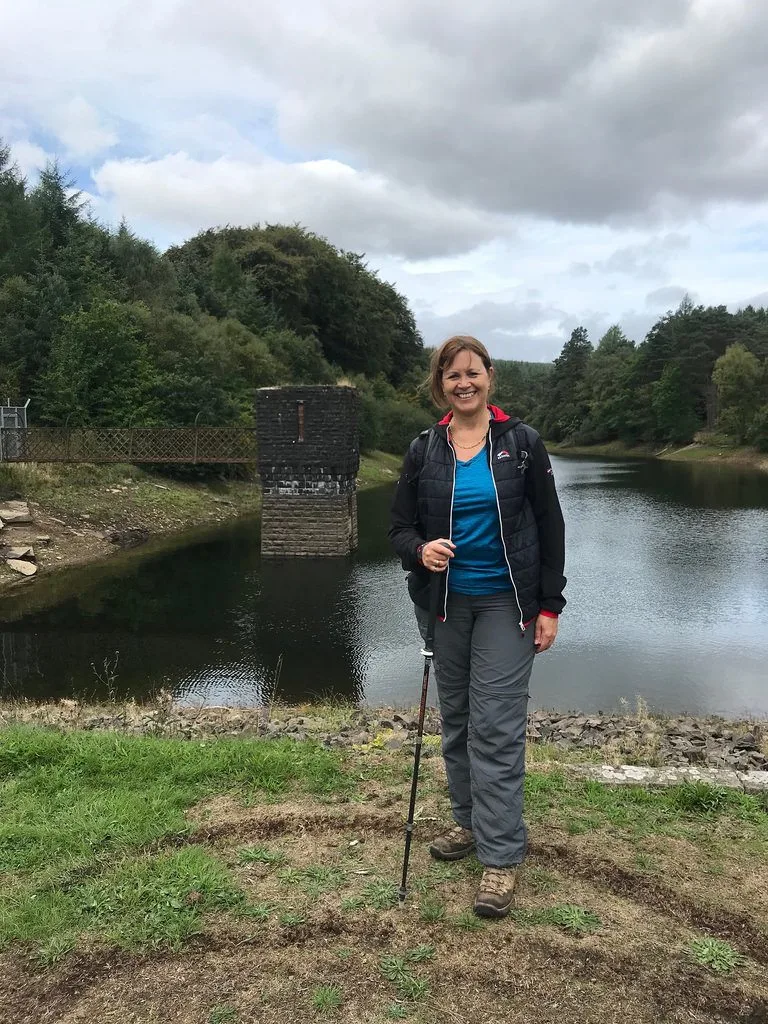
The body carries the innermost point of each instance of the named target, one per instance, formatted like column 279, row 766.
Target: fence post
column 194, row 460
column 2, row 432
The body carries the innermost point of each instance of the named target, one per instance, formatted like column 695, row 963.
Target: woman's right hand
column 435, row 554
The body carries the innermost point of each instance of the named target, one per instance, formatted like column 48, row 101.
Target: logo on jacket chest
column 502, row 454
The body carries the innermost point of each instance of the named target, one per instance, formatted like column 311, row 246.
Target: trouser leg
column 453, row 640
column 501, row 660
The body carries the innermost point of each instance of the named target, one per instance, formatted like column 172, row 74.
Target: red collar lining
column 497, row 415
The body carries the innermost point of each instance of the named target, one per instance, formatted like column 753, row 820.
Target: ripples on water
column 667, row 598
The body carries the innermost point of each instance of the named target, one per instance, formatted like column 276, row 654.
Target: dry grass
column 319, row 876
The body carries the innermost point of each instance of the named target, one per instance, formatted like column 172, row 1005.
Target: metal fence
column 126, row 444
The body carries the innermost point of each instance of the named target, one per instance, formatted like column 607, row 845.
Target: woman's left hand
column 546, row 631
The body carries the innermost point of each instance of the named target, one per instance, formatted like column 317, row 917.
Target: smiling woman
column 492, row 526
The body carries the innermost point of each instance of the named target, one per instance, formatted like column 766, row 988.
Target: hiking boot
column 496, row 892
column 453, row 845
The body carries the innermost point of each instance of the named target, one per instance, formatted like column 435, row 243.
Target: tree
column 740, row 382
column 565, row 405
column 607, row 388
column 99, row 370
column 670, row 400
column 17, row 221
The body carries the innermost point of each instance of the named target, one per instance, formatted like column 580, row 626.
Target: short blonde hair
column 444, row 356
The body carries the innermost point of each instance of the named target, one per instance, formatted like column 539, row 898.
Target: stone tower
column 308, row 460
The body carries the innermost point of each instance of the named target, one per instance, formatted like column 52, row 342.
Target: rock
column 44, row 542
column 129, row 538
column 25, row 568
column 15, row 512
column 386, row 723
column 2, row 524
column 24, row 554
column 747, row 741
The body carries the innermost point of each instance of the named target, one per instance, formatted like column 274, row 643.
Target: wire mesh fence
column 126, row 444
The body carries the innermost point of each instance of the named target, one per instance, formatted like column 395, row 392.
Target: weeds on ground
column 468, row 921
column 223, row 1015
column 379, row 894
column 431, row 910
column 398, row 970
column 715, row 954
column 292, row 918
column 256, row 911
column 260, row 855
column 326, row 998
column 396, row 1011
column 571, row 918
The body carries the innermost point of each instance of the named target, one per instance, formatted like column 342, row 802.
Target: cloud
column 80, row 128
column 359, row 210
column 506, row 328
column 645, row 260
column 668, row 297
column 581, row 112
column 29, row 158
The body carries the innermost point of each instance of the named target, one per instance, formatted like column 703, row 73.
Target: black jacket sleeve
column 405, row 529
column 549, row 519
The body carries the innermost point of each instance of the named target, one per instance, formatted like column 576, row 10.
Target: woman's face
column 466, row 383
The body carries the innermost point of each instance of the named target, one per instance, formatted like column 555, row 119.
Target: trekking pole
column 429, row 639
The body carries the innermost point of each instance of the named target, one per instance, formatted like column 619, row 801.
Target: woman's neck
column 476, row 423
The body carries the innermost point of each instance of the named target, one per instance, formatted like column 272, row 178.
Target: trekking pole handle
column 434, row 601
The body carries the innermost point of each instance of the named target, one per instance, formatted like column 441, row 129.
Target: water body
column 668, row 599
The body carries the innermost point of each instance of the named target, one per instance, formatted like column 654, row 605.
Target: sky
column 515, row 167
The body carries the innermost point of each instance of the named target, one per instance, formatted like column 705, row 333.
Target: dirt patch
column 317, row 915
column 717, row 921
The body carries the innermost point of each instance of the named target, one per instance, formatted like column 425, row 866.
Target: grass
column 326, row 998
column 223, row 1015
column 377, row 468
column 208, row 861
column 73, row 806
column 708, row 448
column 715, row 954
column 86, row 489
column 688, row 810
column 261, row 855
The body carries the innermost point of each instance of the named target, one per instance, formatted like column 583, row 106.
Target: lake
column 667, row 599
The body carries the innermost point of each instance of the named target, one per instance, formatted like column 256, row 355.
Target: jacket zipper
column 501, row 527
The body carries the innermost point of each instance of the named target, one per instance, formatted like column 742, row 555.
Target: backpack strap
column 522, row 445
column 431, row 438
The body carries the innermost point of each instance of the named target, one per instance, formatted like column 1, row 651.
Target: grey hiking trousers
column 482, row 666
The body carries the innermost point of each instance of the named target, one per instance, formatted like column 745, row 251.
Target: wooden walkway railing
column 128, row 444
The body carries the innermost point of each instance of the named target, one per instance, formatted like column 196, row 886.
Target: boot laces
column 497, row 881
column 458, row 834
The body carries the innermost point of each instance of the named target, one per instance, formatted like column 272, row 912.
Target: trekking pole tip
column 401, row 896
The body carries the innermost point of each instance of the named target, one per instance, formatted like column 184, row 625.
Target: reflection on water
column 668, row 598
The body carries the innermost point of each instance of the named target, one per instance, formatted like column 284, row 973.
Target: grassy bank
column 79, row 507
column 154, row 879
column 710, row 448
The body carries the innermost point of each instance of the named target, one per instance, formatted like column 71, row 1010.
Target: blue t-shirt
column 478, row 565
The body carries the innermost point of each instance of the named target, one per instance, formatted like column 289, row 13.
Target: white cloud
column 358, row 210
column 80, row 128
column 29, row 158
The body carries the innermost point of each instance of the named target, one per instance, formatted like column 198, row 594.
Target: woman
column 476, row 502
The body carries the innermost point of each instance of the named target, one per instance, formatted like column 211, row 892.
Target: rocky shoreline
column 615, row 739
